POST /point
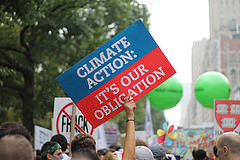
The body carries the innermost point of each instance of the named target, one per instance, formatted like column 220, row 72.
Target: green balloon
column 211, row 85
column 166, row 95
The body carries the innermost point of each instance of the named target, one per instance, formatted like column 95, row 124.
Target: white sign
column 41, row 136
column 111, row 131
column 62, row 119
column 227, row 117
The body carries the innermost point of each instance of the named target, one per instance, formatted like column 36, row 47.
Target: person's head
column 60, row 139
column 14, row 147
column 228, row 146
column 158, row 151
column 140, row 142
column 143, row 153
column 114, row 147
column 110, row 156
column 83, row 140
column 101, row 153
column 85, row 154
column 13, row 128
column 51, row 151
column 200, row 155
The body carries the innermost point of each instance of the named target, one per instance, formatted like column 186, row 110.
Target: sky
column 175, row 24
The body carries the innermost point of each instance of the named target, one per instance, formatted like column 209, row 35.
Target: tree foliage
column 40, row 39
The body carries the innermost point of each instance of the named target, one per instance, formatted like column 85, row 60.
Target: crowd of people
column 16, row 144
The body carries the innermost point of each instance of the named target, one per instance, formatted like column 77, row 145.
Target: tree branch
column 13, row 87
column 73, row 5
column 11, row 63
column 22, row 36
column 57, row 7
column 12, row 49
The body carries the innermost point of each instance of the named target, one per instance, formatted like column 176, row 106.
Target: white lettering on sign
column 228, row 123
column 103, row 58
column 235, row 109
column 107, row 109
column 222, row 109
column 126, row 81
column 139, row 84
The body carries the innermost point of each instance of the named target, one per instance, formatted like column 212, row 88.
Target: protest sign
column 41, row 136
column 111, row 132
column 62, row 119
column 130, row 63
column 227, row 117
column 193, row 138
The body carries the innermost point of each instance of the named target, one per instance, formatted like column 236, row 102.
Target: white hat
column 143, row 153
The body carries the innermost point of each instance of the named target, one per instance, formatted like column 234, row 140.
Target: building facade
column 220, row 53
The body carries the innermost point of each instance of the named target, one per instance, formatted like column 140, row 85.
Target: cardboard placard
column 62, row 119
column 41, row 136
column 130, row 63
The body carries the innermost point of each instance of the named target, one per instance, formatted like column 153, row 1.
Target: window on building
column 233, row 76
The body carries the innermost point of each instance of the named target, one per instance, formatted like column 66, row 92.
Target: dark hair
column 115, row 147
column 38, row 158
column 102, row 152
column 83, row 140
column 38, row 152
column 199, row 154
column 13, row 128
column 140, row 142
column 60, row 139
column 45, row 147
column 193, row 153
column 85, row 153
column 215, row 151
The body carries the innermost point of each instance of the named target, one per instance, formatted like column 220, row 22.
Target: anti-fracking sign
column 62, row 119
column 227, row 117
column 130, row 63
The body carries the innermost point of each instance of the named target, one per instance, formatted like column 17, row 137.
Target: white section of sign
column 100, row 137
column 41, row 135
column 111, row 131
column 61, row 119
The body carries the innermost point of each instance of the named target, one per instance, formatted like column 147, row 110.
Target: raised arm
column 129, row 143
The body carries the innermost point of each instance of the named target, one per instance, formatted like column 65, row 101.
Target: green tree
column 40, row 39
column 158, row 118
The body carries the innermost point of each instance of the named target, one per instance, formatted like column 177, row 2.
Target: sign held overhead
column 130, row 63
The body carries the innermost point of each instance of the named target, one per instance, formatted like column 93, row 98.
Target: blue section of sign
column 107, row 61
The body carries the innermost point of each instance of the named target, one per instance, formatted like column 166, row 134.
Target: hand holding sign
column 129, row 107
column 129, row 144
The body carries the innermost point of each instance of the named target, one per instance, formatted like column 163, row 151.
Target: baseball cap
column 158, row 150
column 143, row 153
